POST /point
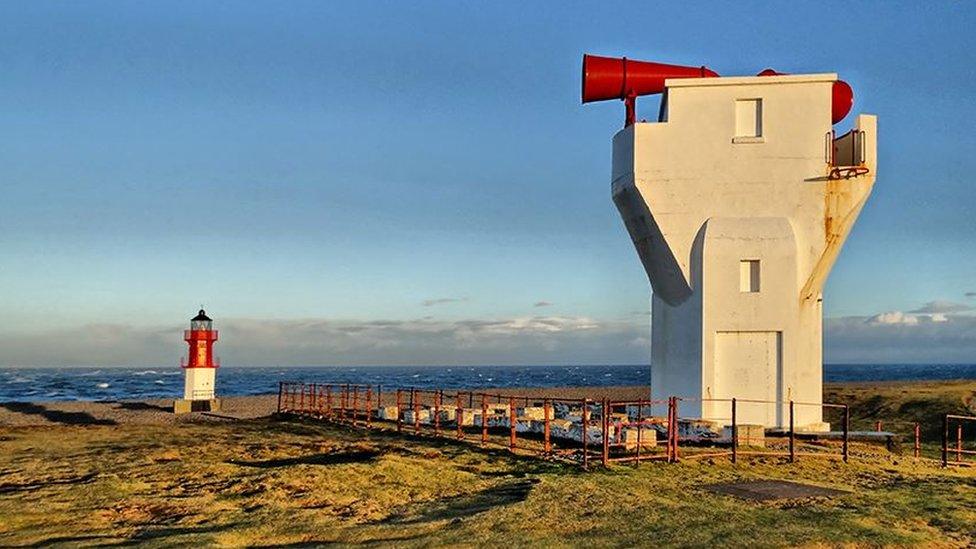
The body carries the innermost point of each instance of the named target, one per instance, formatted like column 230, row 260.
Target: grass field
column 266, row 482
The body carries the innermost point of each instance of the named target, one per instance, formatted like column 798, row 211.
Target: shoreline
column 158, row 411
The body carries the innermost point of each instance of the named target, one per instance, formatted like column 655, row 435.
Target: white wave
column 102, row 385
column 160, row 381
column 145, row 372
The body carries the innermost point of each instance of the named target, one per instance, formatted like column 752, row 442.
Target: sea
column 116, row 383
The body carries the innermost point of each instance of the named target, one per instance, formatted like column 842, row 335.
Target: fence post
column 677, row 432
column 877, row 426
column 459, row 416
column 416, row 412
column 792, row 436
column 369, row 406
column 355, row 404
column 347, row 409
column 546, row 418
column 673, row 426
column 328, row 400
column 399, row 412
column 958, row 441
column 312, row 398
column 945, row 440
column 281, row 388
column 484, row 419
column 340, row 409
column 847, row 430
column 640, row 428
column 511, row 423
column 585, row 419
column 670, row 434
column 918, row 440
column 735, row 434
column 606, row 433
column 437, row 413
column 301, row 400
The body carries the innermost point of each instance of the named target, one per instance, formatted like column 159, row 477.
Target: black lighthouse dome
column 201, row 321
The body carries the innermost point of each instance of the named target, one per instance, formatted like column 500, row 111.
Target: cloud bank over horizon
column 938, row 332
column 251, row 342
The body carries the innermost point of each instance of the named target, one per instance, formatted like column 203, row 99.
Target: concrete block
column 494, row 420
column 699, row 429
column 628, row 436
column 389, row 413
column 466, row 416
column 499, row 409
column 423, row 415
column 594, row 433
column 531, row 412
column 748, row 435
column 563, row 409
column 560, row 428
column 447, row 415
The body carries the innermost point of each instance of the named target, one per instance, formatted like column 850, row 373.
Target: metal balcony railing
column 845, row 155
column 185, row 364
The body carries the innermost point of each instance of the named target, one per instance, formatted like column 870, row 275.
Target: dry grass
column 263, row 482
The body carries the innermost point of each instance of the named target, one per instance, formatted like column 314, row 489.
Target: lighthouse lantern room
column 200, row 367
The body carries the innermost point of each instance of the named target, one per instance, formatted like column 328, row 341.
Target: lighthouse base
column 184, row 406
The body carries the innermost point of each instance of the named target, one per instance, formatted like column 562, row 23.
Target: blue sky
column 408, row 169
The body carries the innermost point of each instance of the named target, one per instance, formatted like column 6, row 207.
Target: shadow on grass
column 143, row 406
column 459, row 507
column 56, row 416
column 31, row 486
column 139, row 538
column 359, row 456
column 380, row 541
column 412, row 444
column 82, row 540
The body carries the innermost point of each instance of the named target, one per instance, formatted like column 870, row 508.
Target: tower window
column 749, row 275
column 748, row 118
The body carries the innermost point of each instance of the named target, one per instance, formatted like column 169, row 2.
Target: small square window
column 748, row 118
column 749, row 275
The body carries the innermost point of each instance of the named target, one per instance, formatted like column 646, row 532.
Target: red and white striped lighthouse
column 200, row 366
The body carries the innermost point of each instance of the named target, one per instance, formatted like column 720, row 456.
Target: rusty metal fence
column 587, row 431
column 955, row 425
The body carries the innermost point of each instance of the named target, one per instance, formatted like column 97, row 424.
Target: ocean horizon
column 122, row 382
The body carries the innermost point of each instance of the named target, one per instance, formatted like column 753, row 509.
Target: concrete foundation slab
column 764, row 490
column 184, row 406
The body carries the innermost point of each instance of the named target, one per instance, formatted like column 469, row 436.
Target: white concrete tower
column 738, row 200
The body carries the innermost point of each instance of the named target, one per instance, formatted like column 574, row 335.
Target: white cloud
column 897, row 337
column 893, row 318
